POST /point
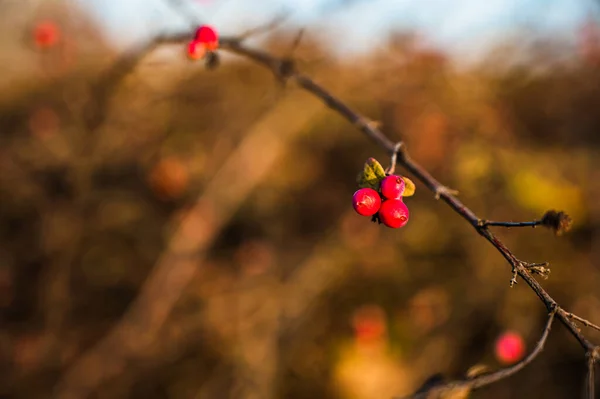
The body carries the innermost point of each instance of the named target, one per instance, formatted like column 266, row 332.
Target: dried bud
column 558, row 221
column 212, row 60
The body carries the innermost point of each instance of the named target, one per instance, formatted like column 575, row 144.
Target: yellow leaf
column 410, row 188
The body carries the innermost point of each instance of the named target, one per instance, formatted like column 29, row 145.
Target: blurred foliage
column 85, row 212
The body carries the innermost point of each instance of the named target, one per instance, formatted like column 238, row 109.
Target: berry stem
column 394, row 158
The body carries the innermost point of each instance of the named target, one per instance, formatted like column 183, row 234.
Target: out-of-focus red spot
column 369, row 324
column 196, row 50
column 510, row 347
column 46, row 34
column 208, row 36
column 169, row 178
column 589, row 42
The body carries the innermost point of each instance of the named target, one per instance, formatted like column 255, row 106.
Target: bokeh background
column 167, row 231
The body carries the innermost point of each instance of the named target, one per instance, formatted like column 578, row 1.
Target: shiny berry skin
column 196, row 50
column 366, row 201
column 392, row 187
column 393, row 213
column 510, row 348
column 208, row 36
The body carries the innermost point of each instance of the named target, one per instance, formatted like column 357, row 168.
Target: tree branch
column 285, row 69
column 585, row 322
column 363, row 124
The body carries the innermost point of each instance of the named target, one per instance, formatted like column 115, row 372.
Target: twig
column 485, row 223
column 441, row 389
column 274, row 24
column 296, row 42
column 488, row 379
column 585, row 322
column 394, row 159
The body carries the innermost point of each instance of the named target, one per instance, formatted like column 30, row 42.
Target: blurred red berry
column 46, row 34
column 392, row 187
column 208, row 36
column 366, row 201
column 393, row 213
column 510, row 348
column 196, row 50
column 369, row 323
column 169, row 179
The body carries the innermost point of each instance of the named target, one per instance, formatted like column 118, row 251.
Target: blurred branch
column 137, row 331
column 166, row 281
column 106, row 85
column 461, row 389
column 590, row 377
column 273, row 24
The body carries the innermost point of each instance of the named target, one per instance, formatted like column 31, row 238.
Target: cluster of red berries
column 386, row 205
column 204, row 45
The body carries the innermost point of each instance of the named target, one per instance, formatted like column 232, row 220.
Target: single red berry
column 366, row 201
column 46, row 34
column 392, row 187
column 393, row 213
column 510, row 347
column 196, row 50
column 208, row 36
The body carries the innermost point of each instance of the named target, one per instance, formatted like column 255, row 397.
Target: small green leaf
column 409, row 187
column 371, row 175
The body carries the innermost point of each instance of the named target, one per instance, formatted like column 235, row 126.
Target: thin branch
column 394, row 159
column 488, row 379
column 274, row 24
column 460, row 389
column 485, row 223
column 178, row 6
column 296, row 42
column 585, row 322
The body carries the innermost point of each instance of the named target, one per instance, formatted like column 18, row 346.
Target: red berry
column 392, row 187
column 208, row 36
column 366, row 201
column 510, row 347
column 196, row 50
column 46, row 34
column 393, row 213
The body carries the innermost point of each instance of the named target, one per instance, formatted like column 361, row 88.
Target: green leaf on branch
column 409, row 187
column 371, row 175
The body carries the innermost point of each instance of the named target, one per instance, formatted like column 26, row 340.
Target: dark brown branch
column 485, row 223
